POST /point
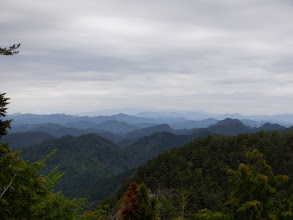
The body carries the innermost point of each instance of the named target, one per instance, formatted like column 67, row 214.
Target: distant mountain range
column 122, row 133
column 176, row 120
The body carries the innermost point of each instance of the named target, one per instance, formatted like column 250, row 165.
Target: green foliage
column 94, row 215
column 196, row 175
column 254, row 189
column 25, row 194
column 12, row 50
column 18, row 141
column 148, row 204
column 206, row 214
column 168, row 207
column 30, row 196
column 56, row 206
column 102, row 188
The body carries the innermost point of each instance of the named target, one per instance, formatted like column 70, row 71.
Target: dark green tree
column 4, row 124
column 148, row 204
column 25, row 194
column 254, row 189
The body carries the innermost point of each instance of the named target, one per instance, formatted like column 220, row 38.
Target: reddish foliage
column 130, row 209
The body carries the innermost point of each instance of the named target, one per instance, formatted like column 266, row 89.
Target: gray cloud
column 219, row 56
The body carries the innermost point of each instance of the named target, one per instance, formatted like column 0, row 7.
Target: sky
column 221, row 56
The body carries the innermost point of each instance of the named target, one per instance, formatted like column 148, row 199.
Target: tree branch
column 9, row 184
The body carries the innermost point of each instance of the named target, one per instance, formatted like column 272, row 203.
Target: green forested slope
column 89, row 158
column 148, row 147
column 197, row 173
column 84, row 159
column 25, row 139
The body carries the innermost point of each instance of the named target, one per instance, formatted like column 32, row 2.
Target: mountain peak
column 229, row 126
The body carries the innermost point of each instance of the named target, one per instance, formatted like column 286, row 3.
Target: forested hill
column 84, row 159
column 25, row 139
column 198, row 173
column 88, row 158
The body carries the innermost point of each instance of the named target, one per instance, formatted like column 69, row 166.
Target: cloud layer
column 219, row 56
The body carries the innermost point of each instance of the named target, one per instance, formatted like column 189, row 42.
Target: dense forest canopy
column 203, row 177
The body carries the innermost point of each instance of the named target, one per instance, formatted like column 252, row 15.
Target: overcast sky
column 221, row 56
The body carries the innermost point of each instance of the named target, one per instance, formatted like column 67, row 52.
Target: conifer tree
column 23, row 193
column 254, row 189
column 12, row 50
column 130, row 209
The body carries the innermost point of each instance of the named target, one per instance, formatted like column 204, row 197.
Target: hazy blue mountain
column 144, row 125
column 229, row 127
column 231, row 115
column 64, row 119
column 81, row 124
column 45, row 127
column 282, row 119
column 40, row 119
column 194, row 124
column 251, row 123
column 151, row 118
column 59, row 131
column 225, row 127
column 22, row 140
column 149, row 131
column 116, row 127
column 194, row 115
column 53, row 129
column 271, row 127
column 109, row 126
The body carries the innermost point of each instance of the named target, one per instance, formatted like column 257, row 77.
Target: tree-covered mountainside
column 84, row 159
column 148, row 147
column 54, row 129
column 98, row 190
column 196, row 174
column 271, row 127
column 21, row 140
column 58, row 131
column 229, row 127
column 88, row 158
